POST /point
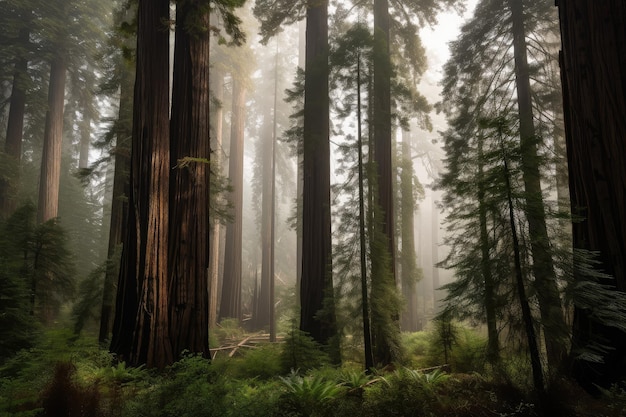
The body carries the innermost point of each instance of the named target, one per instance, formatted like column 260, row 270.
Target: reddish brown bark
column 189, row 193
column 141, row 327
column 48, row 206
column 593, row 68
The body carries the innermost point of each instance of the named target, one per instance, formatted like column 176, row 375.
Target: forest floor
column 248, row 376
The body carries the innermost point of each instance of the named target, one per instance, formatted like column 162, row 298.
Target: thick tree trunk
column 48, row 206
column 593, row 68
column 317, row 316
column 230, row 306
column 552, row 319
column 141, row 327
column 15, row 129
column 190, row 182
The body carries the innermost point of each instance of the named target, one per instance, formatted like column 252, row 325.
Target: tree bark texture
column 190, row 181
column 317, row 314
column 593, row 69
column 230, row 306
column 48, row 206
column 141, row 327
column 552, row 319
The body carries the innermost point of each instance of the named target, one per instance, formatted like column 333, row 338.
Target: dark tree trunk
column 48, row 206
column 552, row 319
column 365, row 307
column 535, row 359
column 230, row 306
column 119, row 203
column 493, row 344
column 593, row 68
column 317, row 316
column 141, row 326
column 190, row 182
column 15, row 129
column 385, row 318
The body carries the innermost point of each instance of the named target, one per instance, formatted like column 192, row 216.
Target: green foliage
column 35, row 267
column 263, row 362
column 405, row 392
column 309, row 395
column 300, row 351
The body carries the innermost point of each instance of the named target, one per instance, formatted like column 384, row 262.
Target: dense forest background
column 288, row 208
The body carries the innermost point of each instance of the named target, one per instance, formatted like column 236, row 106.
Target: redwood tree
column 142, row 294
column 190, row 181
column 230, row 306
column 593, row 68
column 317, row 316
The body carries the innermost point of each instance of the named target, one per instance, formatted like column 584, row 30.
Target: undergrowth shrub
column 264, row 362
column 405, row 392
column 300, row 351
column 310, row 395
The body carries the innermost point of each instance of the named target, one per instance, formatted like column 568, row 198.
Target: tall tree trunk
column 190, row 183
column 48, row 206
column 317, row 315
column 593, row 68
column 266, row 297
column 535, row 359
column 119, row 203
column 552, row 319
column 408, row 264
column 15, row 129
column 230, row 306
column 365, row 307
column 493, row 343
column 385, row 311
column 141, row 326
column 217, row 82
column 263, row 310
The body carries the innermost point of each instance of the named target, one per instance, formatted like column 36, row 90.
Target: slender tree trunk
column 190, row 184
column 15, row 128
column 48, row 206
column 552, row 319
column 408, row 264
column 365, row 308
column 85, row 142
column 119, row 204
column 385, row 310
column 535, row 359
column 493, row 344
column 230, row 306
column 317, row 315
column 593, row 69
column 217, row 82
column 141, row 326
